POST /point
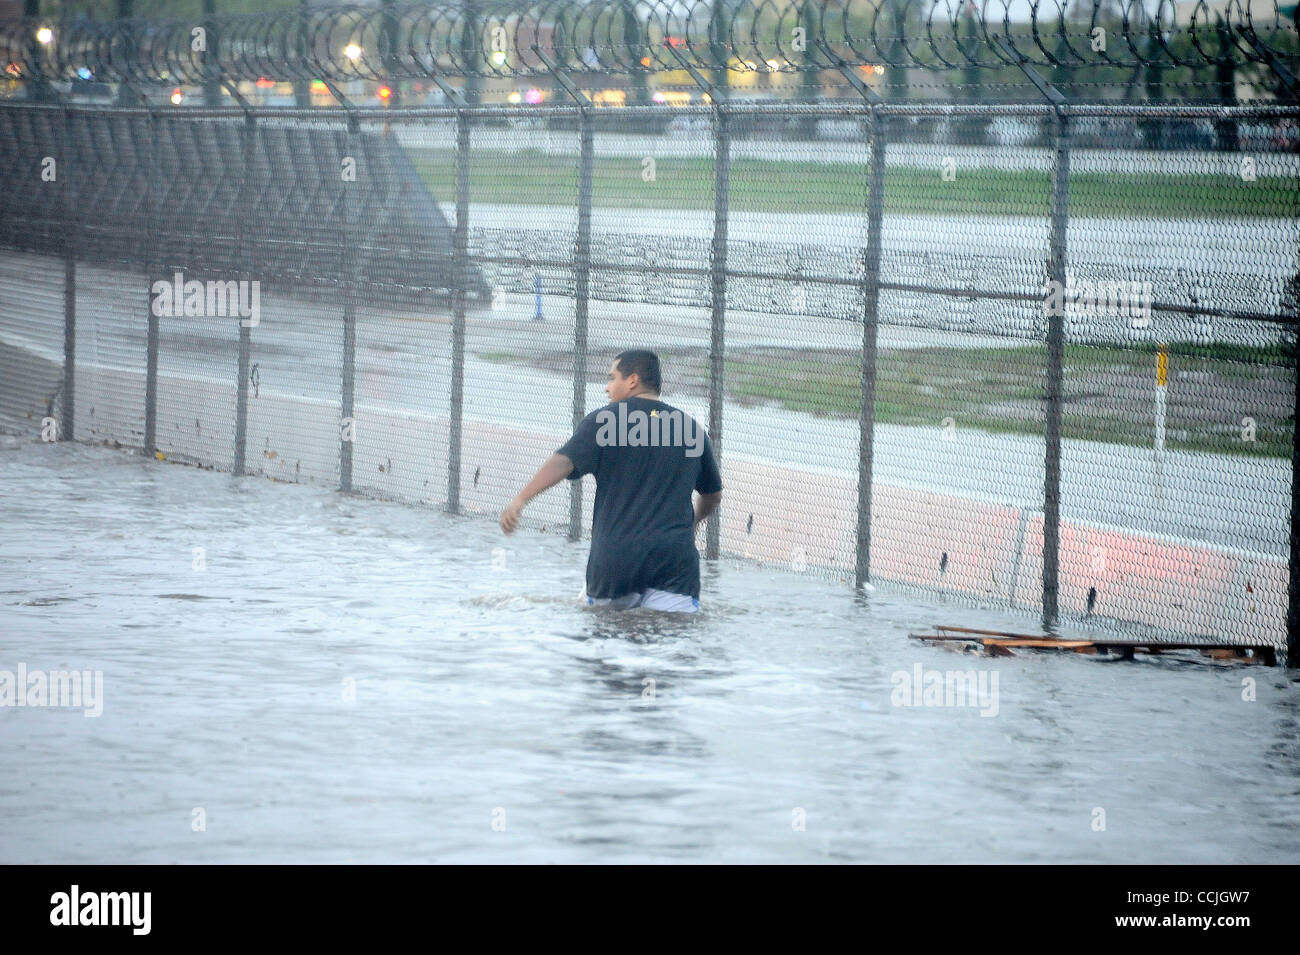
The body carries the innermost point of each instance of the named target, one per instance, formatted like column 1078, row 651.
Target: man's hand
column 510, row 516
column 555, row 470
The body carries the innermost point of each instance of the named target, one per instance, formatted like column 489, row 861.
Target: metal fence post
column 1291, row 87
column 152, row 264
column 717, row 276
column 870, row 317
column 581, row 272
column 349, row 316
column 302, row 19
column 1291, row 303
column 582, row 279
column 68, row 417
column 459, row 293
column 1056, row 256
column 460, row 266
column 870, row 324
column 249, row 135
column 350, row 277
column 1293, row 582
column 1055, row 369
column 718, row 301
column 211, row 80
column 68, row 421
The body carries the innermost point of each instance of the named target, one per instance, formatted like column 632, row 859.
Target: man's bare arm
column 705, row 505
column 555, row 470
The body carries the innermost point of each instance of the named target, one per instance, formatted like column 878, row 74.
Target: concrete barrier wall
column 955, row 545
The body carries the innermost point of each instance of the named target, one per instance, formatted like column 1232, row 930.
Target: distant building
column 1260, row 11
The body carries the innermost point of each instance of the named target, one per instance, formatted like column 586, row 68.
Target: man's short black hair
column 645, row 364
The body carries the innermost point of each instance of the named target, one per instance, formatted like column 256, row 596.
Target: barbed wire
column 495, row 39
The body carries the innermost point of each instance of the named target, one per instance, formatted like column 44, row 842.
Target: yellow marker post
column 1162, row 378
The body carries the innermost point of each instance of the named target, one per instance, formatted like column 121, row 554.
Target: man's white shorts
column 651, row 599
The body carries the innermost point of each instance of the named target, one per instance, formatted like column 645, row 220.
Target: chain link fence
column 1028, row 356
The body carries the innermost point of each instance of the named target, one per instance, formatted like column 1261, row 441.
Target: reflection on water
column 348, row 680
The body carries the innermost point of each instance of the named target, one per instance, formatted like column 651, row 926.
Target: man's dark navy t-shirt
column 647, row 458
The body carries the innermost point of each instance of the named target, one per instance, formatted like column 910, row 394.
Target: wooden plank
column 991, row 633
column 1026, row 642
column 1001, row 643
column 969, row 635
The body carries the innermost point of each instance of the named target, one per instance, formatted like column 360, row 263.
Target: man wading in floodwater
column 647, row 458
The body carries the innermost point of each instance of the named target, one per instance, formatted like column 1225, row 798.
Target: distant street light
column 45, row 35
column 352, row 52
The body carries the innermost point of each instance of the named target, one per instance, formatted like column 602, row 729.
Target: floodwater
column 335, row 679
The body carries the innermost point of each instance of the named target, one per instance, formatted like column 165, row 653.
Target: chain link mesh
column 287, row 295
